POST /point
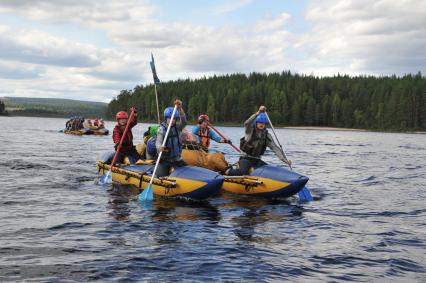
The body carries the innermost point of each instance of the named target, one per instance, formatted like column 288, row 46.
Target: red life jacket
column 204, row 137
column 128, row 140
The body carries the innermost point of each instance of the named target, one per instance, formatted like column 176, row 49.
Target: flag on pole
column 154, row 72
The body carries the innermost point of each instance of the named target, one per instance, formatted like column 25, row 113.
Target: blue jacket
column 173, row 142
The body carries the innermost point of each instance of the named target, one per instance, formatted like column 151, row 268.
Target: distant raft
column 86, row 131
column 186, row 182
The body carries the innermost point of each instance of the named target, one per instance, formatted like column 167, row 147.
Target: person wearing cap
column 171, row 156
column 254, row 143
column 204, row 134
column 127, row 147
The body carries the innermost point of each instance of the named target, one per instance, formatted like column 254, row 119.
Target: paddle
column 107, row 178
column 147, row 194
column 304, row 194
column 223, row 137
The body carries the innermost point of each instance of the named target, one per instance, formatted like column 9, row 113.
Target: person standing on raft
column 171, row 156
column 127, row 147
column 204, row 134
column 253, row 144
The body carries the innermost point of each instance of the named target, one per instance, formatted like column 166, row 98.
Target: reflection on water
column 366, row 223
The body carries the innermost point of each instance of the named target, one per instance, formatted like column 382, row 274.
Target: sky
column 90, row 49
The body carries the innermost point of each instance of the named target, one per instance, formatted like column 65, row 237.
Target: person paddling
column 253, row 144
column 204, row 134
column 127, row 148
column 171, row 156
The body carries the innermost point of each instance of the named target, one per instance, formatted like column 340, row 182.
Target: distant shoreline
column 308, row 128
column 314, row 128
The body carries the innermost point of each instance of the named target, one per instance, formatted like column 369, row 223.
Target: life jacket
column 256, row 146
column 173, row 143
column 150, row 146
column 128, row 139
column 204, row 137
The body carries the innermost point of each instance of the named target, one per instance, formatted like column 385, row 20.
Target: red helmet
column 203, row 118
column 122, row 115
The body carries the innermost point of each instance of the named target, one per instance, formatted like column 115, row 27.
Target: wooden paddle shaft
column 223, row 137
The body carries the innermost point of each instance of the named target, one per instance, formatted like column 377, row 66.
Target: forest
column 394, row 103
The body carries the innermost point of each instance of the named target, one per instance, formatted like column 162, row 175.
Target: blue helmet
column 169, row 111
column 261, row 118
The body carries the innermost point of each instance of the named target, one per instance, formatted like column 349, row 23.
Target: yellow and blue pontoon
column 187, row 181
column 266, row 181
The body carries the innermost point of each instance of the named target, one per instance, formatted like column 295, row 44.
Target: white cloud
column 358, row 36
column 32, row 46
column 10, row 70
column 83, row 11
column 272, row 23
column 230, row 6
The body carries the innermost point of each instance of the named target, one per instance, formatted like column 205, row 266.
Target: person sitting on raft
column 171, row 156
column 68, row 124
column 127, row 147
column 148, row 150
column 204, row 134
column 254, row 144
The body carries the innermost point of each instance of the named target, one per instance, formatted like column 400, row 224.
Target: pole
column 156, row 99
column 278, row 141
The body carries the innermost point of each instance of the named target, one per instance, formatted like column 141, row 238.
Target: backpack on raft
column 150, row 146
column 212, row 161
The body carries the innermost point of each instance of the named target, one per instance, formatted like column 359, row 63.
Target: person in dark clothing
column 254, row 143
column 171, row 156
column 127, row 147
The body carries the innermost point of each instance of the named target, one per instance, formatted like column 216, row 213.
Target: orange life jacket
column 204, row 137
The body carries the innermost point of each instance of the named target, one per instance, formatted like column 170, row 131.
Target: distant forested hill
column 382, row 103
column 53, row 107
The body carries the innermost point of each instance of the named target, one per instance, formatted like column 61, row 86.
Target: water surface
column 367, row 223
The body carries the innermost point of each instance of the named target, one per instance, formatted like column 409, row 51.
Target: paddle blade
column 147, row 194
column 305, row 195
column 105, row 178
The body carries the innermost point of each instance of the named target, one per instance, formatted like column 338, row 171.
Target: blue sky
column 88, row 49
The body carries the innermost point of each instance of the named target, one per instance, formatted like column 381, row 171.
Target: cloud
column 382, row 37
column 230, row 6
column 83, row 11
column 12, row 71
column 272, row 23
column 32, row 46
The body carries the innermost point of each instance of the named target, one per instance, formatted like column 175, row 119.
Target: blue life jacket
column 150, row 146
column 173, row 143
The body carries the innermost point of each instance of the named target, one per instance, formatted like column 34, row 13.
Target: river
column 366, row 224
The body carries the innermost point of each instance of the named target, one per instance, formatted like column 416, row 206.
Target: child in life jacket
column 127, row 147
column 204, row 134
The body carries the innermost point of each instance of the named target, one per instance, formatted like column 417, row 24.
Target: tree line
column 368, row 102
column 52, row 107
